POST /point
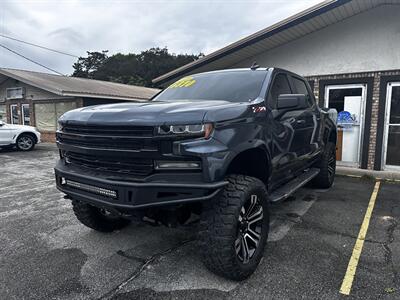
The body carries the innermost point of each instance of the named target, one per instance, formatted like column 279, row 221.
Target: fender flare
column 256, row 144
column 25, row 132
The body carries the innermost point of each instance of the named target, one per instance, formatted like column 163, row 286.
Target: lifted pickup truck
column 221, row 144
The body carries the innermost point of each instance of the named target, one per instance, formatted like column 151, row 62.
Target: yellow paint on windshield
column 183, row 82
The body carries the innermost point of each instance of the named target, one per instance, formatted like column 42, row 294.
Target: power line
column 38, row 46
column 31, row 60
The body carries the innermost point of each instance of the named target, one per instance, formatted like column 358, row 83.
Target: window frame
column 287, row 75
column 3, row 112
column 311, row 97
column 22, row 96
column 23, row 105
column 55, row 115
column 18, row 113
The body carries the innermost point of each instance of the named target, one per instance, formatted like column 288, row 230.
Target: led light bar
column 89, row 188
column 176, row 165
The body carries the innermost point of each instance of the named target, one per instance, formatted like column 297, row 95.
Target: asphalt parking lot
column 45, row 253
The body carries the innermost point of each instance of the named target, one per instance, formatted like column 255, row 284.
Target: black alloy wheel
column 249, row 229
column 234, row 228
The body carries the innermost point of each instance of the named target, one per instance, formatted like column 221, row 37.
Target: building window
column 2, row 112
column 15, row 93
column 26, row 117
column 14, row 114
column 47, row 114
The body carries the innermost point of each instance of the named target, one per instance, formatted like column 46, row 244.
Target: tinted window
column 301, row 88
column 279, row 86
column 235, row 86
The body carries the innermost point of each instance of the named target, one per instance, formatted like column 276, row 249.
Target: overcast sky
column 184, row 26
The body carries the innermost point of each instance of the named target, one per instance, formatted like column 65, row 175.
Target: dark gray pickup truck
column 221, row 144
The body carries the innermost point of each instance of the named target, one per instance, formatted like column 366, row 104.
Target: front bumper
column 126, row 195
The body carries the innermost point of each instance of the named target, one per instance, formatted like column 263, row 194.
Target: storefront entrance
column 20, row 114
column 349, row 101
column 392, row 127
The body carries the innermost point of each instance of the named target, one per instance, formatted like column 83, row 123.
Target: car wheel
column 25, row 142
column 234, row 228
column 327, row 167
column 99, row 219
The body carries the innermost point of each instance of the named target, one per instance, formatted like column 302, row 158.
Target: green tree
column 135, row 69
column 86, row 67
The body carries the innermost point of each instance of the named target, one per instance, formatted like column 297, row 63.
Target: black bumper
column 131, row 195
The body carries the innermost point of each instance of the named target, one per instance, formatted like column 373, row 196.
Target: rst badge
column 257, row 109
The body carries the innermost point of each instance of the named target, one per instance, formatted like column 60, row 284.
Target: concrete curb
column 385, row 175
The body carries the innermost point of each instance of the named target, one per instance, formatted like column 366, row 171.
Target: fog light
column 177, row 165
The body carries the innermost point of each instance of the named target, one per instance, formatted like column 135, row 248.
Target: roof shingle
column 80, row 87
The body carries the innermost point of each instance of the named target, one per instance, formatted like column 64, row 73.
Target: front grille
column 112, row 130
column 134, row 138
column 118, row 164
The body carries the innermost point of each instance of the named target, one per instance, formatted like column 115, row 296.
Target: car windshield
column 234, row 86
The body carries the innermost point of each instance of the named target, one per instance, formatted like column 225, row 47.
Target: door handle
column 300, row 121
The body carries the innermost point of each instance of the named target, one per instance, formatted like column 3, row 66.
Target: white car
column 23, row 137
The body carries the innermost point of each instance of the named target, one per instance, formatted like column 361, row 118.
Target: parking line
column 352, row 267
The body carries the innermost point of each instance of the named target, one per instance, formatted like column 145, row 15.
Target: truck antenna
column 254, row 66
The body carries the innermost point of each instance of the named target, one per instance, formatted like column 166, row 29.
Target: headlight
column 59, row 126
column 204, row 130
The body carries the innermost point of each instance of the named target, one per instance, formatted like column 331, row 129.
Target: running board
column 292, row 186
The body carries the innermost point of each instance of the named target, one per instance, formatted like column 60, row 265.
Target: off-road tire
column 219, row 227
column 25, row 142
column 327, row 166
column 92, row 217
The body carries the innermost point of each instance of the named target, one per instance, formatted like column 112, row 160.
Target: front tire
column 234, row 228
column 327, row 167
column 25, row 142
column 96, row 218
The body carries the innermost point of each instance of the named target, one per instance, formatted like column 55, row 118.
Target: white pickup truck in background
column 23, row 137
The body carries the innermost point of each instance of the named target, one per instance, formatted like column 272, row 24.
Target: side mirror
column 291, row 101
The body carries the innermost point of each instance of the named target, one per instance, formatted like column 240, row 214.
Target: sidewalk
column 386, row 175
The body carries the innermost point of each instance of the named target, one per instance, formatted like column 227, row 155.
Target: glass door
column 26, row 119
column 392, row 126
column 349, row 101
column 15, row 116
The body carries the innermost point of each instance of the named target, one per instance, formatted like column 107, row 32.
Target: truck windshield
column 234, row 86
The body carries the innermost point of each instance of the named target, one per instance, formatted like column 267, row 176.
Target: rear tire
column 25, row 142
column 327, row 166
column 234, row 228
column 97, row 218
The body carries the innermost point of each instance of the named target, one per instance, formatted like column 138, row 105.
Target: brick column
column 374, row 121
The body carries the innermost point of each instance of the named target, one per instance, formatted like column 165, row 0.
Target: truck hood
column 155, row 113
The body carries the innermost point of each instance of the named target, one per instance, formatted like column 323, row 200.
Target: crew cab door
column 5, row 134
column 289, row 129
column 307, row 124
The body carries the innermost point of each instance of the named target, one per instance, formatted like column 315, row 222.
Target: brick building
column 348, row 51
column 38, row 99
